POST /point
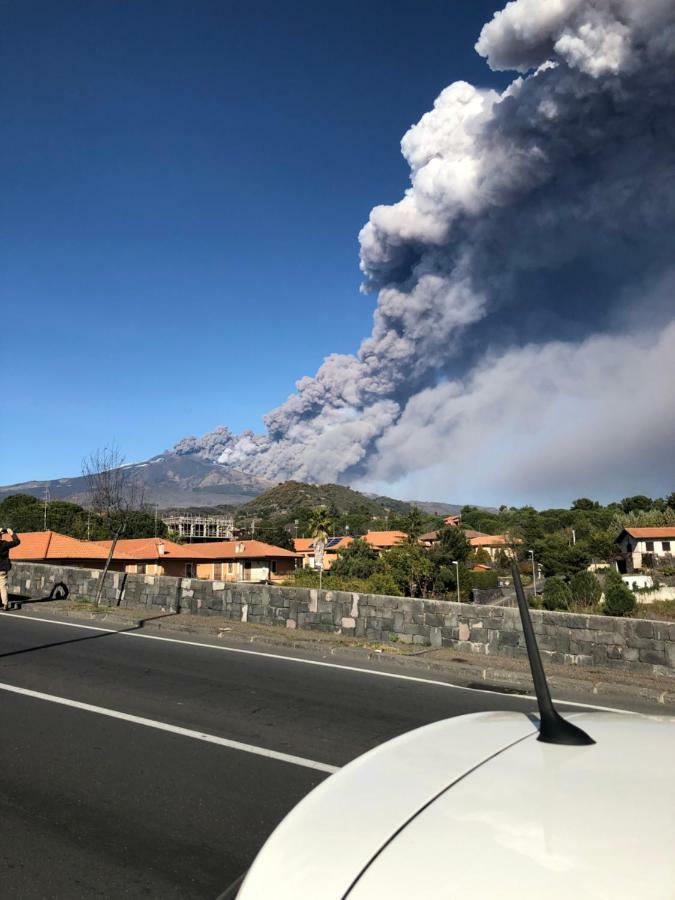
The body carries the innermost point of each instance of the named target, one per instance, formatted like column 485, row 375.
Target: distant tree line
column 26, row 513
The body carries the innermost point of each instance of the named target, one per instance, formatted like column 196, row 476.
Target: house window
column 141, row 569
column 218, row 571
column 230, row 568
column 273, row 566
column 189, row 570
column 649, row 546
column 665, row 546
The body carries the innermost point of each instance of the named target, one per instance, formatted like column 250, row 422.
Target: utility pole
column 156, row 508
column 456, row 565
column 46, row 502
column 534, row 573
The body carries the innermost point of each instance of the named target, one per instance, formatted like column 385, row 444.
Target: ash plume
column 536, row 221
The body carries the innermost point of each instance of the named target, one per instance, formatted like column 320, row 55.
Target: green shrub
column 557, row 594
column 585, row 588
column 358, row 560
column 483, row 580
column 619, row 601
column 383, row 583
column 534, row 602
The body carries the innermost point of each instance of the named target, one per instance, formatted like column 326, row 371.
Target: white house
column 645, row 547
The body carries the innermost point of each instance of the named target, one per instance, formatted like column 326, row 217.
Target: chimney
column 161, row 548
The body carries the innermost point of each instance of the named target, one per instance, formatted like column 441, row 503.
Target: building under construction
column 201, row 528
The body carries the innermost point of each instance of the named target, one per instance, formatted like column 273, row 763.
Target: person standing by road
column 5, row 564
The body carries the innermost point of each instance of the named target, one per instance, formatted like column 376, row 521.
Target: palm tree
column 320, row 523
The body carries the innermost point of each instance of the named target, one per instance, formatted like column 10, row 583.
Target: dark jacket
column 5, row 547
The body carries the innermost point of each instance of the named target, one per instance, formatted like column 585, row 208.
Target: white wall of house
column 636, row 547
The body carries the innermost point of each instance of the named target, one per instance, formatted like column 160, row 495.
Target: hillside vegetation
column 293, row 496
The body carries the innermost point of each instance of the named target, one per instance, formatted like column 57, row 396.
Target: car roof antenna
column 553, row 729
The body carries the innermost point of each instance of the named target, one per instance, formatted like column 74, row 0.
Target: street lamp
column 456, row 565
column 534, row 573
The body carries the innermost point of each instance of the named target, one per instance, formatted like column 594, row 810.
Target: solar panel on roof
column 332, row 542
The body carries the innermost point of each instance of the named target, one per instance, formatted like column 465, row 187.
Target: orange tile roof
column 141, row 548
column 228, row 550
column 39, row 545
column 303, row 545
column 306, row 545
column 493, row 540
column 429, row 536
column 662, row 531
column 385, row 538
column 52, row 545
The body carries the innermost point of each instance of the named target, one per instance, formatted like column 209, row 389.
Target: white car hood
column 546, row 821
column 332, row 834
column 475, row 806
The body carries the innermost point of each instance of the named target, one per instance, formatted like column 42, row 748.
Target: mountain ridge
column 175, row 481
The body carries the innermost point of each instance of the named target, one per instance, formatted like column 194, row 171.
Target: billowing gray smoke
column 523, row 280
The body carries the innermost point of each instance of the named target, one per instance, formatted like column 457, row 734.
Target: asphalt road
column 95, row 806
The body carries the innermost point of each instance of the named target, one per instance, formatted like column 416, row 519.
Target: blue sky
column 183, row 185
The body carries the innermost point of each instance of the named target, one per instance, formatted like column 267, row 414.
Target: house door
column 247, row 570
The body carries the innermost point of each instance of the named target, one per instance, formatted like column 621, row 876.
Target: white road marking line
column 315, row 662
column 174, row 729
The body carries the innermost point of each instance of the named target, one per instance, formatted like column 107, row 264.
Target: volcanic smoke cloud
column 524, row 338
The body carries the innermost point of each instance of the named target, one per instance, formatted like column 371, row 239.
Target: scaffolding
column 201, row 528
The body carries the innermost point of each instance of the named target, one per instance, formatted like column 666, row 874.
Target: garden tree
column 413, row 524
column 114, row 494
column 558, row 557
column 585, row 503
column 356, row 522
column 410, row 567
column 273, row 532
column 582, row 525
column 453, row 543
column 444, row 582
column 556, row 595
column 586, row 589
column 483, row 579
column 135, row 523
column 71, row 519
column 619, row 599
column 482, row 557
column 111, row 486
column 22, row 513
column 25, row 513
column 670, row 501
column 452, row 546
column 602, row 545
column 638, row 502
column 358, row 560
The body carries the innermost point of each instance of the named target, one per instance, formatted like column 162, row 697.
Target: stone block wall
column 638, row 645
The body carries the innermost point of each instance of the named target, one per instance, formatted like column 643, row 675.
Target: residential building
column 645, row 548
column 221, row 560
column 304, row 547
column 494, row 545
